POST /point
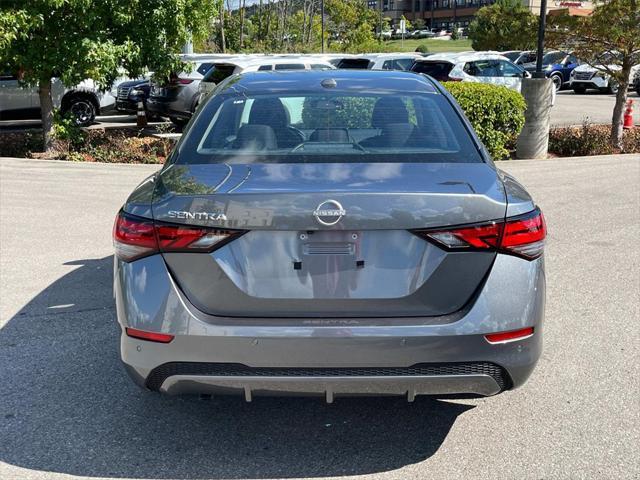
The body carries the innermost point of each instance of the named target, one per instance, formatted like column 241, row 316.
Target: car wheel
column 179, row 122
column 557, row 82
column 82, row 111
column 580, row 90
column 612, row 87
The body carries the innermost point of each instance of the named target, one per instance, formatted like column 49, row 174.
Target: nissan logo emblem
column 329, row 212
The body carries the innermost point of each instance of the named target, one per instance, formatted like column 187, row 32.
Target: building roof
column 572, row 11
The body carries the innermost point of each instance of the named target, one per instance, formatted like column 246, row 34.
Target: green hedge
column 496, row 113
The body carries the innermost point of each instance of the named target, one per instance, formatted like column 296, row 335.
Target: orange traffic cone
column 628, row 116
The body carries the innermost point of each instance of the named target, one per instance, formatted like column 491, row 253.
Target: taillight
column 522, row 236
column 136, row 237
column 151, row 336
column 512, row 336
column 185, row 81
column 525, row 235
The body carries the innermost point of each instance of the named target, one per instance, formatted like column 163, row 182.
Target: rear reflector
column 504, row 337
column 522, row 236
column 136, row 237
column 151, row 336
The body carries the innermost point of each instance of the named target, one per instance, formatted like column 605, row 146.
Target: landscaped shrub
column 590, row 140
column 111, row 146
column 496, row 113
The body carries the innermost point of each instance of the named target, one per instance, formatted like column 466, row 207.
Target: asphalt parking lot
column 68, row 409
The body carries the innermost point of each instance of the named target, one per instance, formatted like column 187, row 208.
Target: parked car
column 83, row 102
column 586, row 77
column 423, row 33
column 129, row 93
column 636, row 81
column 177, row 96
column 330, row 233
column 379, row 61
column 471, row 67
column 520, row 57
column 225, row 68
column 557, row 66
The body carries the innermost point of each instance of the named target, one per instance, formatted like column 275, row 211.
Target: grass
column 432, row 45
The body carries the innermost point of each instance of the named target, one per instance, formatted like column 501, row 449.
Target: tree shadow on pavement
column 67, row 406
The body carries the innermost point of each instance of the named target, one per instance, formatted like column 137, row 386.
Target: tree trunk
column 618, row 109
column 242, row 24
column 46, row 107
column 223, row 47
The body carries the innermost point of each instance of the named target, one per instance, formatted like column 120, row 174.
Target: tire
column 580, row 90
column 179, row 122
column 612, row 87
column 557, row 81
column 82, row 110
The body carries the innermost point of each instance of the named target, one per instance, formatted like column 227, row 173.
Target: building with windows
column 450, row 14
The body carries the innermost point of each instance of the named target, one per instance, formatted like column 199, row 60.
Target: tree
column 419, row 23
column 351, row 25
column 609, row 40
column 98, row 39
column 505, row 25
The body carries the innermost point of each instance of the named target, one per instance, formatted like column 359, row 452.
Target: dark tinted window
column 404, row 63
column 204, row 68
column 552, row 58
column 265, row 67
column 483, row 68
column 389, row 65
column 218, row 73
column 319, row 66
column 328, row 127
column 438, row 70
column 508, row 69
column 289, row 66
column 353, row 63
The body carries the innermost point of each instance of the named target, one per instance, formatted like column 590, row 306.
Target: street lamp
column 541, row 27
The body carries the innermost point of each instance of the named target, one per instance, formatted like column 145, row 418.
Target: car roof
column 310, row 81
column 303, row 59
column 375, row 56
column 460, row 57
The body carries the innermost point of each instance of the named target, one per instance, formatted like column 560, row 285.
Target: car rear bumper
column 476, row 381
column 331, row 357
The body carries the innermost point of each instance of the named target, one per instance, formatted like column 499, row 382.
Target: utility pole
column 533, row 141
column 542, row 24
column 380, row 19
column 322, row 22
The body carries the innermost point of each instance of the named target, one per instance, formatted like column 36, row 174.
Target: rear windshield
column 361, row 63
column 326, row 128
column 217, row 73
column 438, row 70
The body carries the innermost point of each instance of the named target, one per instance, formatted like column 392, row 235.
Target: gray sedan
column 330, row 233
